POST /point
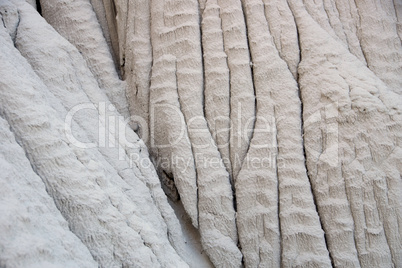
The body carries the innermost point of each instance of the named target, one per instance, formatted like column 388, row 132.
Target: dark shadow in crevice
column 38, row 7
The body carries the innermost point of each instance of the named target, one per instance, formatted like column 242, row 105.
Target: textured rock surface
column 33, row 232
column 273, row 128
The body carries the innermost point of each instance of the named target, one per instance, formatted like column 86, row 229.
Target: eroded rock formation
column 185, row 133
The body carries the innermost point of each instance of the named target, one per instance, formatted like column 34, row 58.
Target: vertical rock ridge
column 340, row 154
column 217, row 81
column 175, row 30
column 283, row 30
column 257, row 207
column 274, row 127
column 242, row 99
column 295, row 197
column 126, row 202
column 57, row 168
column 378, row 26
column 173, row 146
column 68, row 19
column 138, row 65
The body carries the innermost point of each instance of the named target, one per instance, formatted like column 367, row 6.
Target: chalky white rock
column 209, row 133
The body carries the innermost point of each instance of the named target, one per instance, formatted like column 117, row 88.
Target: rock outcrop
column 209, row 133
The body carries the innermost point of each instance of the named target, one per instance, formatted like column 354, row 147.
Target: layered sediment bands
column 76, row 21
column 378, row 27
column 217, row 81
column 347, row 160
column 257, row 207
column 102, row 12
column 123, row 208
column 175, row 31
column 82, row 87
column 242, row 99
column 349, row 17
column 138, row 64
column 283, row 182
column 29, row 216
column 274, row 130
column 172, row 148
column 58, row 165
column 123, row 142
column 283, row 30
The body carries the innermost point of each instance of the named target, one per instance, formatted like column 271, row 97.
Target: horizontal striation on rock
column 77, row 22
column 273, row 128
column 345, row 155
column 29, row 216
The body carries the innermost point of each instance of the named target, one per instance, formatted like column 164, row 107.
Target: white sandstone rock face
column 351, row 170
column 29, row 216
column 274, row 133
